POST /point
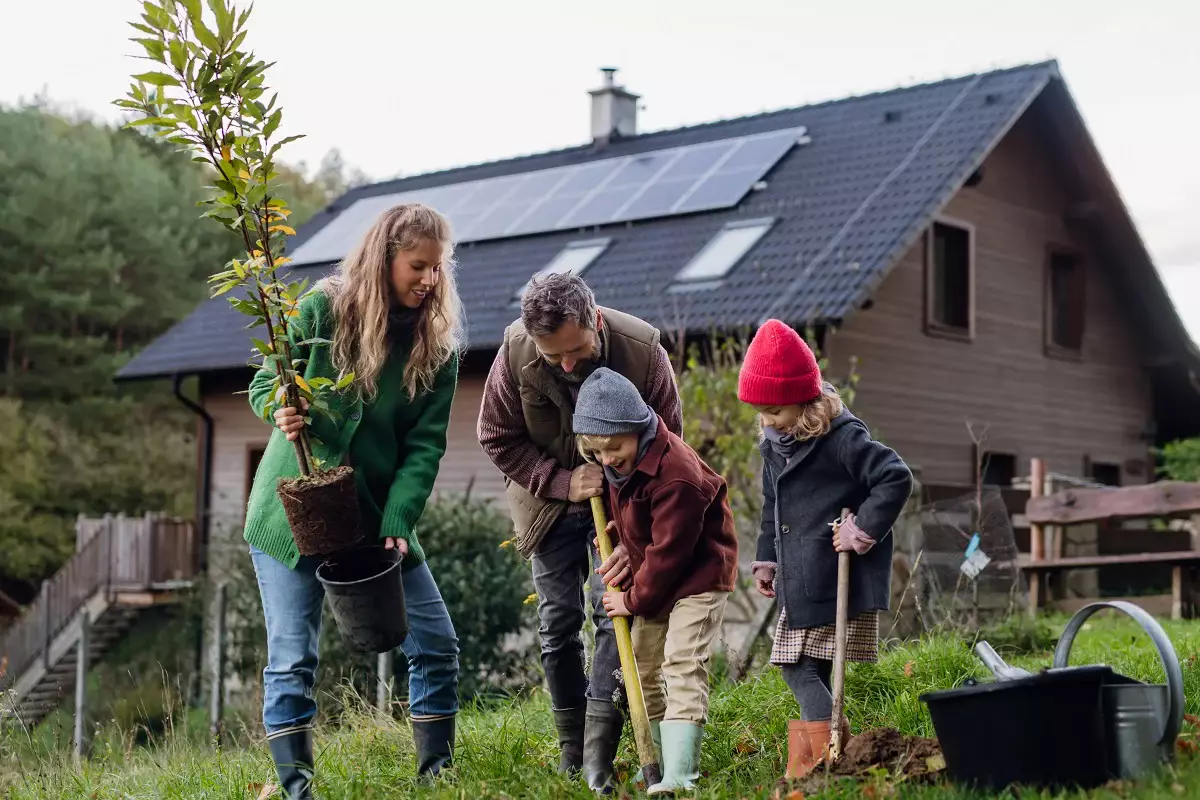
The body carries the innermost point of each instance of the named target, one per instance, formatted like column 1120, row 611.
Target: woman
column 393, row 318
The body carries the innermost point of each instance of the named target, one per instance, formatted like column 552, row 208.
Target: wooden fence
column 114, row 554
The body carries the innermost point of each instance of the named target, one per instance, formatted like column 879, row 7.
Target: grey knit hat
column 609, row 404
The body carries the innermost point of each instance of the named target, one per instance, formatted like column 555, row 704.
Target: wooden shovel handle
column 839, row 652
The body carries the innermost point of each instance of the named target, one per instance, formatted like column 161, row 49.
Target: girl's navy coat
column 845, row 468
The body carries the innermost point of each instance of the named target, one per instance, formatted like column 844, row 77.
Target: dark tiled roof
column 846, row 206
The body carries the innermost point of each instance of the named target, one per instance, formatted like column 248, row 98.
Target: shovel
column 633, row 683
column 839, row 652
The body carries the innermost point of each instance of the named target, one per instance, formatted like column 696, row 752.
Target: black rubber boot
column 292, row 752
column 434, row 739
column 569, row 723
column 601, row 735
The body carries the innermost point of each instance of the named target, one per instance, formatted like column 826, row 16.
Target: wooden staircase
column 122, row 566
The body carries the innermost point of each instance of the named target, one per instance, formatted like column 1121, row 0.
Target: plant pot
column 366, row 593
column 322, row 510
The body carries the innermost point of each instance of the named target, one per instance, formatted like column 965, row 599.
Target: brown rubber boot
column 820, row 738
column 800, row 758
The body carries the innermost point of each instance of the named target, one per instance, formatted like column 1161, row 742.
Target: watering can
column 1142, row 721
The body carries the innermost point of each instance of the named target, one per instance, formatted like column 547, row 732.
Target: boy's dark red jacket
column 673, row 517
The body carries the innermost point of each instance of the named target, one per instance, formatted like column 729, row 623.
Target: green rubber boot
column 656, row 736
column 681, row 757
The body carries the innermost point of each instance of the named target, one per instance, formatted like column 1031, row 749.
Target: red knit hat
column 779, row 368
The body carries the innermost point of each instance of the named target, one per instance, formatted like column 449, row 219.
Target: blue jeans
column 292, row 600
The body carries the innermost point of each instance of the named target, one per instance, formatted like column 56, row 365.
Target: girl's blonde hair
column 361, row 292
column 817, row 415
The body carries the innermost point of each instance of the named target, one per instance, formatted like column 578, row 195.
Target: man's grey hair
column 551, row 300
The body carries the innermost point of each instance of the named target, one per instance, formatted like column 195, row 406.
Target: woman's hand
column 615, row 570
column 291, row 422
column 614, row 604
column 848, row 537
column 764, row 577
column 396, row 543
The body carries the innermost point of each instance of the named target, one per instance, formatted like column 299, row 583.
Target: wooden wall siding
column 237, row 431
column 917, row 391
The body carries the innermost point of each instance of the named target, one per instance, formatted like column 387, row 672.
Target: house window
column 1064, row 303
column 253, row 457
column 998, row 469
column 950, row 292
column 574, row 258
column 1104, row 473
column 718, row 258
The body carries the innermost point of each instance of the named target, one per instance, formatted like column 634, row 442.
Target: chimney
column 614, row 109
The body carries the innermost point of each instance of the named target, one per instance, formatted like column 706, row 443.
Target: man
column 525, row 427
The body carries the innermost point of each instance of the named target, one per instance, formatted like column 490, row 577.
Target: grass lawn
column 508, row 749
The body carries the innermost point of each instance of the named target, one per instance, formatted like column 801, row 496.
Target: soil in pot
column 322, row 510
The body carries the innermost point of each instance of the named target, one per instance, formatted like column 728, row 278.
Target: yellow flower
column 531, row 599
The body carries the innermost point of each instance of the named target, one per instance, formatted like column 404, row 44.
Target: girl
column 392, row 316
column 818, row 458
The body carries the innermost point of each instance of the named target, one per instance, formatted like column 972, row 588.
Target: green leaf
column 162, row 123
column 206, row 37
column 146, row 29
column 272, row 123
column 263, row 348
column 178, row 54
column 312, row 341
column 157, row 79
column 193, row 9
column 224, row 17
column 153, row 47
column 226, row 287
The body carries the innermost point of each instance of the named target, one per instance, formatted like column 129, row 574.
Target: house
column 961, row 240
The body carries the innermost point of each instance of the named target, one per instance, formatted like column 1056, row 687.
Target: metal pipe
column 203, row 514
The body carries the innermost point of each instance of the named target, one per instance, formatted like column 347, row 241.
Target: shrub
column 1181, row 460
column 484, row 586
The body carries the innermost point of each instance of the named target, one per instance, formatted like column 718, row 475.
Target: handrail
column 123, row 553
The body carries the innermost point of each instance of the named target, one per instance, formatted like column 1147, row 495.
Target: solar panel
column 678, row 180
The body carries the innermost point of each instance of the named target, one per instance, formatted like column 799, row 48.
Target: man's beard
column 578, row 375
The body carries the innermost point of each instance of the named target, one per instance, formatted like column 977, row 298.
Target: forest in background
column 102, row 248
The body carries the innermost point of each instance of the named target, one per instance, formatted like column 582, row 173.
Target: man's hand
column 398, row 544
column 614, row 604
column 615, row 569
column 587, row 481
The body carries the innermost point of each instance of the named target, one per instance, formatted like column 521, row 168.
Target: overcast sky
column 405, row 87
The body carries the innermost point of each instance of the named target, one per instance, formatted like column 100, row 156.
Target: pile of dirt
column 906, row 758
column 910, row 756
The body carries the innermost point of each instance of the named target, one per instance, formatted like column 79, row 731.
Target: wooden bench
column 1163, row 500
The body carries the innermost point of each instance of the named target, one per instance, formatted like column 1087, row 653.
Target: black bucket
column 366, row 594
column 1047, row 729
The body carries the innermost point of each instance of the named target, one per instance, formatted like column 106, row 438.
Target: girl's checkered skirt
column 862, row 640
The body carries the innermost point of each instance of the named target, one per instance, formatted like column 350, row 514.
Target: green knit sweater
column 394, row 444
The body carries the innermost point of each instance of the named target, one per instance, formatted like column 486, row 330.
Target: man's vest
column 627, row 345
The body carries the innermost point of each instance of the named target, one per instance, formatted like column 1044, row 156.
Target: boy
column 671, row 514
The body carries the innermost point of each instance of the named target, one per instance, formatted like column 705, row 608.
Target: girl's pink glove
column 764, row 577
column 851, row 537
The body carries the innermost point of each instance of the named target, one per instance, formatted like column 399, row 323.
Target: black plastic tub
column 1044, row 730
column 366, row 595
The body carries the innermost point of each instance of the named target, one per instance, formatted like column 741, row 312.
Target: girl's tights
column 809, row 681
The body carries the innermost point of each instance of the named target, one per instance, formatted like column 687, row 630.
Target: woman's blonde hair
column 361, row 292
column 817, row 415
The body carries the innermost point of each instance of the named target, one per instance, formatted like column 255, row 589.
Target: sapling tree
column 206, row 94
column 209, row 98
